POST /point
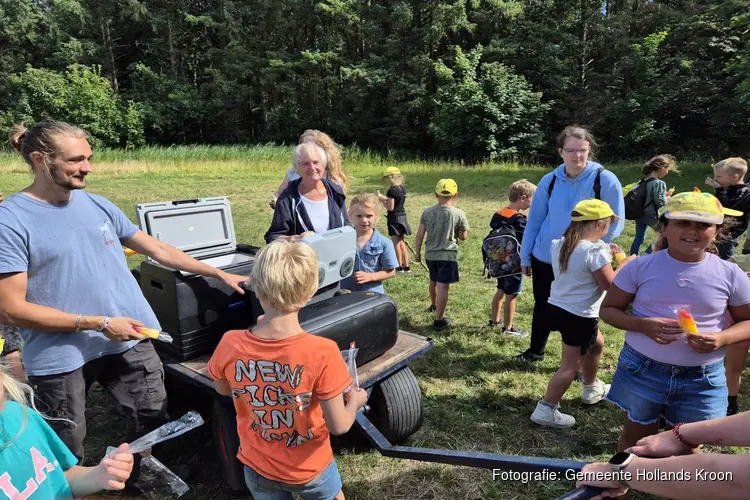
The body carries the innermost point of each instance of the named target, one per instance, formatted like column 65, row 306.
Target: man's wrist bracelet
column 105, row 325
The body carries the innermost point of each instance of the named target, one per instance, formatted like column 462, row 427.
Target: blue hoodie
column 549, row 217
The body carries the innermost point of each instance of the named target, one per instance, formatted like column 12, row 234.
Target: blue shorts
column 646, row 390
column 510, row 285
column 443, row 271
column 325, row 486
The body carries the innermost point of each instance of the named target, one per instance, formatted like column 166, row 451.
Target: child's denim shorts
column 325, row 486
column 646, row 390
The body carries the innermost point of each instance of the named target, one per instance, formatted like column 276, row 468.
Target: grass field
column 476, row 398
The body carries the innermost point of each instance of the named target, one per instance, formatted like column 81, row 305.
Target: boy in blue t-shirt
column 376, row 259
column 519, row 197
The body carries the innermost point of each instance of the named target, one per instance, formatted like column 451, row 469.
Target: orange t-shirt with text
column 277, row 386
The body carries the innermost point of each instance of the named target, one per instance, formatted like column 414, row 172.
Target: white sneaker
column 594, row 393
column 552, row 417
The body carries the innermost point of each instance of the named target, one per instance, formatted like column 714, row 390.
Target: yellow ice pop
column 148, row 332
column 619, row 257
column 129, row 251
column 686, row 321
column 153, row 333
column 2, row 343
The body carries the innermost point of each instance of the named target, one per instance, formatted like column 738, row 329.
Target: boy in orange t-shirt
column 287, row 385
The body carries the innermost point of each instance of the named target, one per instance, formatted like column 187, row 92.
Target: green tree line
column 469, row 79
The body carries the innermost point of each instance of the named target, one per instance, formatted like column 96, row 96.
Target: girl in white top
column 583, row 273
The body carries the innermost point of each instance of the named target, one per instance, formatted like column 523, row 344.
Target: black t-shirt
column 398, row 193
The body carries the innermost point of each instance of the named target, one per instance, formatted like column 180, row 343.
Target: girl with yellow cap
column 663, row 371
column 581, row 263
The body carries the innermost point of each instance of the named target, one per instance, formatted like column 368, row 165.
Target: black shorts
column 575, row 330
column 443, row 271
column 134, row 379
column 510, row 285
column 398, row 225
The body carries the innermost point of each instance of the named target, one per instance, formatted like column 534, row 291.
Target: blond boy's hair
column 521, row 188
column 285, row 274
column 733, row 166
column 367, row 200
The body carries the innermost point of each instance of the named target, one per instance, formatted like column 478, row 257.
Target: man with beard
column 65, row 282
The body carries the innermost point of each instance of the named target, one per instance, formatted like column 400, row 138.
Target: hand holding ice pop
column 705, row 343
column 686, row 321
column 154, row 334
column 661, row 330
column 617, row 252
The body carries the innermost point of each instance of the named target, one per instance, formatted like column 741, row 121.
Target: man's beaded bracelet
column 105, row 325
column 676, row 431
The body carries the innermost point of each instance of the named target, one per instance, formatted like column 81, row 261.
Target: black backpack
column 501, row 252
column 635, row 200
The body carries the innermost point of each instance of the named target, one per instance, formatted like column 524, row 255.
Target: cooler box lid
column 201, row 227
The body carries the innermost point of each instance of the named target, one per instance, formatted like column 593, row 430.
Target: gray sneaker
column 552, row 417
column 594, row 393
column 515, row 332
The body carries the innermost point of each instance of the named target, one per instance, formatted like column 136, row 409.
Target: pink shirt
column 658, row 282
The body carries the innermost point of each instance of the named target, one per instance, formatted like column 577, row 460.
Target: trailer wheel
column 227, row 442
column 396, row 407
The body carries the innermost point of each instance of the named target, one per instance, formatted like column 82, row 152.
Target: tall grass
column 207, row 152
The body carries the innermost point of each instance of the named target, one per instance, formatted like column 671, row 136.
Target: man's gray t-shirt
column 75, row 263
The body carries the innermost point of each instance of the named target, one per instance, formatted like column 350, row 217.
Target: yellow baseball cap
column 698, row 207
column 391, row 171
column 592, row 210
column 446, row 187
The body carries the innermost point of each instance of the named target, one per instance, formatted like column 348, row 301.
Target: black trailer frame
column 384, row 447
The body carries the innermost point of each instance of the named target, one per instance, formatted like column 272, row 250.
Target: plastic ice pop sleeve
column 685, row 319
column 350, row 357
column 170, row 430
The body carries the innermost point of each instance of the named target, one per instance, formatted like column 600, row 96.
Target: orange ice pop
column 686, row 321
column 129, row 251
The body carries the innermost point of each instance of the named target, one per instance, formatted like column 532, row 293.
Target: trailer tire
column 227, row 442
column 396, row 407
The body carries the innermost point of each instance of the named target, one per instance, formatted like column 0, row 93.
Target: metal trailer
column 395, row 400
column 394, row 412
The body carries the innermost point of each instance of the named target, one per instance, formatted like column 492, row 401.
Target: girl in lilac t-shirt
column 663, row 372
